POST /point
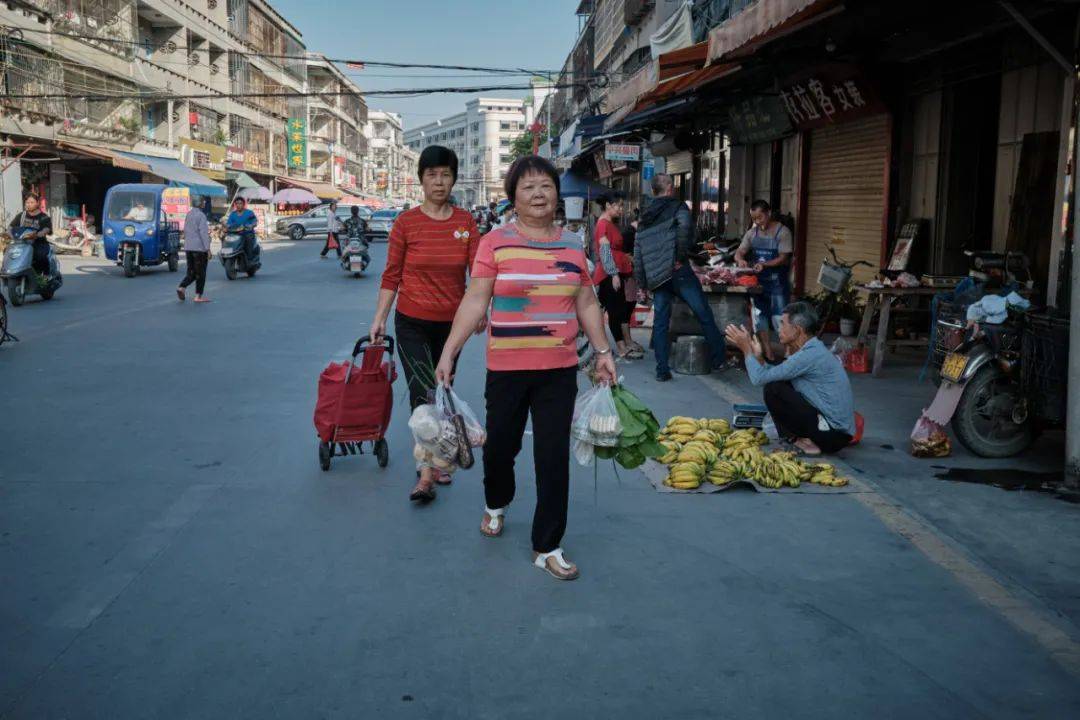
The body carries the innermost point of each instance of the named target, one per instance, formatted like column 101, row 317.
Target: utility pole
column 1072, row 417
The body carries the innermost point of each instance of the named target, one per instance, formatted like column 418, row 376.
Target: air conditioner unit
column 169, row 47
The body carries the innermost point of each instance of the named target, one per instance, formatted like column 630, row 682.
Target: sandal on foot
column 556, row 565
column 807, row 447
column 443, row 478
column 422, row 494
column 494, row 520
column 180, row 293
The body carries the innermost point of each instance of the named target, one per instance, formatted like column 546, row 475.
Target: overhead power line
column 158, row 97
column 275, row 56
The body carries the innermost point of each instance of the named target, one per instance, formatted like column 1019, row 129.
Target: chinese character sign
column 833, row 94
column 758, row 119
column 296, row 136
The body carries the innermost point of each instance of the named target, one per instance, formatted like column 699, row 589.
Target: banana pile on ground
column 707, row 450
column 824, row 474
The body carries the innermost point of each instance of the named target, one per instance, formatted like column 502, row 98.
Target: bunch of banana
column 681, row 429
column 685, row 476
column 708, row 436
column 782, row 469
column 699, row 452
column 825, row 474
column 672, row 453
column 718, row 426
column 723, row 472
column 742, row 446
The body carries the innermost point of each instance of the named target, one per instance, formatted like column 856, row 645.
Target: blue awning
column 177, row 173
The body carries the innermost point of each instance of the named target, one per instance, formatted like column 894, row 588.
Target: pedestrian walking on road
column 534, row 276
column 428, row 256
column 334, row 228
column 613, row 267
column 662, row 247
column 197, row 250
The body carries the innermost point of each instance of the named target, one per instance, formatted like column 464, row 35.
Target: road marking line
column 1029, row 616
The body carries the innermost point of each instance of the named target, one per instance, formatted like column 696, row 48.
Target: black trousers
column 326, row 246
column 196, row 270
column 614, row 303
column 40, row 259
column 795, row 417
column 548, row 395
column 419, row 344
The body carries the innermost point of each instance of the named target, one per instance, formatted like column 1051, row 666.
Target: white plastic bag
column 596, row 421
column 436, row 439
column 447, row 401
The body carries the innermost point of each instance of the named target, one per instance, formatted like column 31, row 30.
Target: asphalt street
column 169, row 548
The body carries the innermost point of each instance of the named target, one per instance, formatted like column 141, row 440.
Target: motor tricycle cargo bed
column 355, row 403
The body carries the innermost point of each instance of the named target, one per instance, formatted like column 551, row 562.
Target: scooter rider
column 243, row 221
column 40, row 225
column 355, row 225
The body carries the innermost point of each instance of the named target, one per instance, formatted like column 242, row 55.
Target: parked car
column 381, row 221
column 313, row 222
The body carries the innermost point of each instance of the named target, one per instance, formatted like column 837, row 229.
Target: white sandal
column 560, row 569
column 492, row 526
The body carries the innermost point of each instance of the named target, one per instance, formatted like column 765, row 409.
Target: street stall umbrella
column 258, row 193
column 295, row 196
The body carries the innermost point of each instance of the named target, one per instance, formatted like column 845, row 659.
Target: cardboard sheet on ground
column 656, row 472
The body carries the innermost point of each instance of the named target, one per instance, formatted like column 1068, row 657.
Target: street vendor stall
column 730, row 304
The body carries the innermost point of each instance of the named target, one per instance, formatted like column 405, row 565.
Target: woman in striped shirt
column 535, row 279
column 430, row 249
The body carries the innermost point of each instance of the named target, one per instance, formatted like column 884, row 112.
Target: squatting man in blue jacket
column 808, row 394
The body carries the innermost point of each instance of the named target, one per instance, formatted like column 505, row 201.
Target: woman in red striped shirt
column 430, row 250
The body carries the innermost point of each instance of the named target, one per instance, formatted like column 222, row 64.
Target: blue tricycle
column 136, row 231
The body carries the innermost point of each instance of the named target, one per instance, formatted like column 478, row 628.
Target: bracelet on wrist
column 605, row 351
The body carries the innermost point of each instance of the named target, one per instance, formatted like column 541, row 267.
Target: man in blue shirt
column 242, row 220
column 808, row 394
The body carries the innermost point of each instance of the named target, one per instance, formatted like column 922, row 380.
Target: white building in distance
column 481, row 136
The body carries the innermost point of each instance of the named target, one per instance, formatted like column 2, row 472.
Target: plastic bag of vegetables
column 596, row 421
column 637, row 439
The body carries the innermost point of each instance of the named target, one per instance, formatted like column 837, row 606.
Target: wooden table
column 882, row 299
column 727, row 302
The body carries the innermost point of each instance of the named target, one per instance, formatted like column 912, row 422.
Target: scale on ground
column 749, row 416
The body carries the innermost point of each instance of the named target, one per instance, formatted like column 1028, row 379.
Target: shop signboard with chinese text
column 830, row 94
column 175, row 203
column 758, row 119
column 296, row 134
column 234, row 157
column 204, row 157
column 622, row 151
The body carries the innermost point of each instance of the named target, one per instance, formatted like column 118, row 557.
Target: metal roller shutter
column 846, row 195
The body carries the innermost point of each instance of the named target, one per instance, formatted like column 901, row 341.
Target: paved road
column 170, row 549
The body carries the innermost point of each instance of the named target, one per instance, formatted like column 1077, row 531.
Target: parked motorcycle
column 17, row 271
column 1000, row 383
column 235, row 258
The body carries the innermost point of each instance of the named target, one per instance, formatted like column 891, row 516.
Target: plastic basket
column 833, row 277
column 1044, row 365
column 950, row 322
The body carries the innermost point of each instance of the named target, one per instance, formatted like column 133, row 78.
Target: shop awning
column 111, row 156
column 763, row 22
column 242, row 179
column 180, row 174
column 685, row 84
column 320, row 190
column 655, row 114
column 680, row 62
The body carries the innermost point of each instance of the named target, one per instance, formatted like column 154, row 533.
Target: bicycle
column 836, row 279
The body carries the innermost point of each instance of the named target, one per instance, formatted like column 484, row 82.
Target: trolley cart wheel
column 325, row 452
column 382, row 452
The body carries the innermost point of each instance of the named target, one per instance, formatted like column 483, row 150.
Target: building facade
column 336, row 117
column 385, row 172
column 482, row 137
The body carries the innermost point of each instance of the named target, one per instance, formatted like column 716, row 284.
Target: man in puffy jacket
column 664, row 240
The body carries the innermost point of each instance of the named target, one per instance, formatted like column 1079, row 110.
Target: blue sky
column 494, row 33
